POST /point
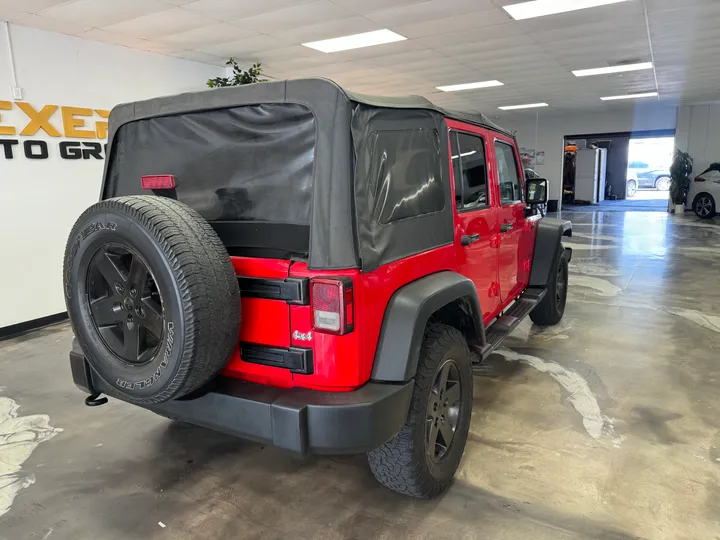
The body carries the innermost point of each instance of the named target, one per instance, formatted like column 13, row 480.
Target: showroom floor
column 607, row 426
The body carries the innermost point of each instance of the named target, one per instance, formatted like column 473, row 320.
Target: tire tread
column 205, row 279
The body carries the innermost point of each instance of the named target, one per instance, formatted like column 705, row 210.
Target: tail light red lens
column 699, row 179
column 158, row 181
column 331, row 301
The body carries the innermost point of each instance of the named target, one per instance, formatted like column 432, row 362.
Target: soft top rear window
column 248, row 164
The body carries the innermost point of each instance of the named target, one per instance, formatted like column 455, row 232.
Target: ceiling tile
column 169, row 21
column 426, row 11
column 31, row 6
column 53, row 25
column 12, row 15
column 499, row 31
column 471, row 21
column 244, row 48
column 207, row 35
column 367, row 6
column 99, row 13
column 228, row 10
column 318, row 11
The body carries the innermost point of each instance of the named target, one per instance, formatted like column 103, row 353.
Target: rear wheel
column 551, row 308
column 662, row 183
column 422, row 458
column 631, row 188
column 704, row 206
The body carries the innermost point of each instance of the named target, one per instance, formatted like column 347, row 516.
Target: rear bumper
column 298, row 420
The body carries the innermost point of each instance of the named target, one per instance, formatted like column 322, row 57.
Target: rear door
column 476, row 220
column 511, row 216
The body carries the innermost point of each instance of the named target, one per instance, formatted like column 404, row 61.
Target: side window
column 407, row 174
column 470, row 169
column 510, row 185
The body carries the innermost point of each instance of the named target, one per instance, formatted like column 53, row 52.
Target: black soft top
column 281, row 92
column 336, row 204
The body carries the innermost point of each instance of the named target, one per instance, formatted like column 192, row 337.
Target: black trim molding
column 27, row 326
column 291, row 290
column 296, row 359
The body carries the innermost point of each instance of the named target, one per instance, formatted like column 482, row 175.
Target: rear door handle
column 467, row 239
column 506, row 227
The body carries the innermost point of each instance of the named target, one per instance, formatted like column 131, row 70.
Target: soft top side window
column 407, row 174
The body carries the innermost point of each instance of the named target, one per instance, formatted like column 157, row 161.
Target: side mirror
column 536, row 191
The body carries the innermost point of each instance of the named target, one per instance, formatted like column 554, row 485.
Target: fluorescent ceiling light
column 540, row 8
column 355, row 41
column 528, row 106
column 469, row 86
column 612, row 69
column 630, row 96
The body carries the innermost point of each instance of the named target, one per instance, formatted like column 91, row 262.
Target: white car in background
column 704, row 192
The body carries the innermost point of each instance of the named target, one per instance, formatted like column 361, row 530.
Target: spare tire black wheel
column 152, row 297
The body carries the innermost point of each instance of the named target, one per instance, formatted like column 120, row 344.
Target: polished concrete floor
column 606, row 426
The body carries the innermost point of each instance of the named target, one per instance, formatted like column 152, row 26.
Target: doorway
column 620, row 171
column 648, row 170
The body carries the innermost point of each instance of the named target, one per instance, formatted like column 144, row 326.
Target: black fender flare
column 548, row 243
column 407, row 315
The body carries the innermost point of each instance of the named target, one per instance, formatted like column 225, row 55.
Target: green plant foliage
column 680, row 170
column 239, row 77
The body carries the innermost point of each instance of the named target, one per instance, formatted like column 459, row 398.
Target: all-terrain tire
column 187, row 269
column 402, row 463
column 551, row 308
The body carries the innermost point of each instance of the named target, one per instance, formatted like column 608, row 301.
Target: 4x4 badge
column 299, row 336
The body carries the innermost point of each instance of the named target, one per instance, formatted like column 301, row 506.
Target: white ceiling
column 449, row 42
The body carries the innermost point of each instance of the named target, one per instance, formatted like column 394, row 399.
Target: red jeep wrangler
column 378, row 249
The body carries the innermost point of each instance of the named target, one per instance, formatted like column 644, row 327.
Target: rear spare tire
column 152, row 297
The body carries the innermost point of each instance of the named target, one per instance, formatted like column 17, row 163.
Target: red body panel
column 513, row 279
column 498, row 264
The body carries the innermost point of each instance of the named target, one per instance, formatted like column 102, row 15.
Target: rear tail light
column 158, row 181
column 332, row 306
column 699, row 179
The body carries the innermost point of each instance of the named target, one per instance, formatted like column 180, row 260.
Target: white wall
column 552, row 127
column 698, row 133
column 40, row 199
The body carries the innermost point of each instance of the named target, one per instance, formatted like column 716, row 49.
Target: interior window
column 472, row 175
column 510, row 186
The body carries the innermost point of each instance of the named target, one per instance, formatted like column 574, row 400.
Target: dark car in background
column 641, row 175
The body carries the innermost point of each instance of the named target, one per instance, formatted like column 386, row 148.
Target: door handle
column 467, row 239
column 506, row 227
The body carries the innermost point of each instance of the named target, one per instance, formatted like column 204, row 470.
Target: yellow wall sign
column 54, row 121
column 74, row 121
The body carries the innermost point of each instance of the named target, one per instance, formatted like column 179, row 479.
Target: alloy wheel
column 125, row 304
column 631, row 189
column 443, row 410
column 663, row 184
column 703, row 206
